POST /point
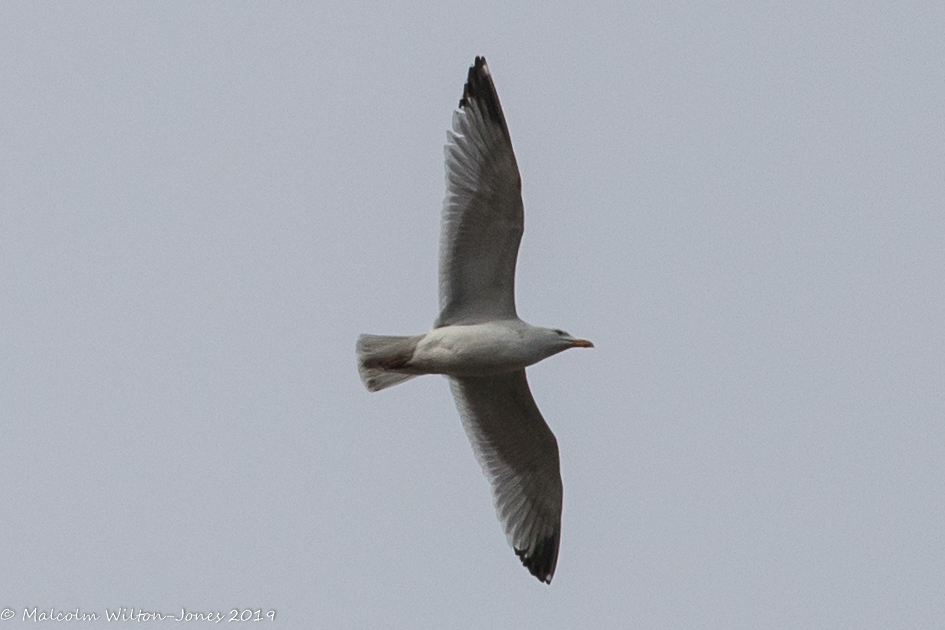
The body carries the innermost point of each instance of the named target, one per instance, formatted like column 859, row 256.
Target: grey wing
column 519, row 455
column 483, row 219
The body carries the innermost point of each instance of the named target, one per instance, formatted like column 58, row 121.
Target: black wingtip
column 480, row 89
column 542, row 560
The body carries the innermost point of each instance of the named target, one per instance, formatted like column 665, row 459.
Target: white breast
column 476, row 350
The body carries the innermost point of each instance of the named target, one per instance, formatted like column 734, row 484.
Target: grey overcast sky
column 741, row 203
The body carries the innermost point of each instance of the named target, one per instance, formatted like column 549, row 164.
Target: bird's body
column 485, row 349
column 478, row 340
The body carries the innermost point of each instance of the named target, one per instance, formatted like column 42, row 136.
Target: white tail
column 381, row 359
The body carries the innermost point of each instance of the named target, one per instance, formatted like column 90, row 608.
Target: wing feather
column 519, row 455
column 483, row 217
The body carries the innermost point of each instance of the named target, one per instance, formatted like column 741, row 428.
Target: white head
column 551, row 341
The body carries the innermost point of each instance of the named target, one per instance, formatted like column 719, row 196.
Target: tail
column 381, row 358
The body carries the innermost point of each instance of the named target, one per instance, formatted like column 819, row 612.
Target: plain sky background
column 741, row 203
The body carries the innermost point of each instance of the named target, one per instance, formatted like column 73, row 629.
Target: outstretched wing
column 483, row 218
column 519, row 455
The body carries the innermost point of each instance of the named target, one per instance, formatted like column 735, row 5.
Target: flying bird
column 478, row 340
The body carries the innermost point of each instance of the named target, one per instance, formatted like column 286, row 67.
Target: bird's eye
column 561, row 333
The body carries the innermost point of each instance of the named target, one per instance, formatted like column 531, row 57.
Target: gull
column 478, row 340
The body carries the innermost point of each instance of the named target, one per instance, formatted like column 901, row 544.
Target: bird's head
column 558, row 340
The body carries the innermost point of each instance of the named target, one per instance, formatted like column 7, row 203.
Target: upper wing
column 483, row 218
column 519, row 454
